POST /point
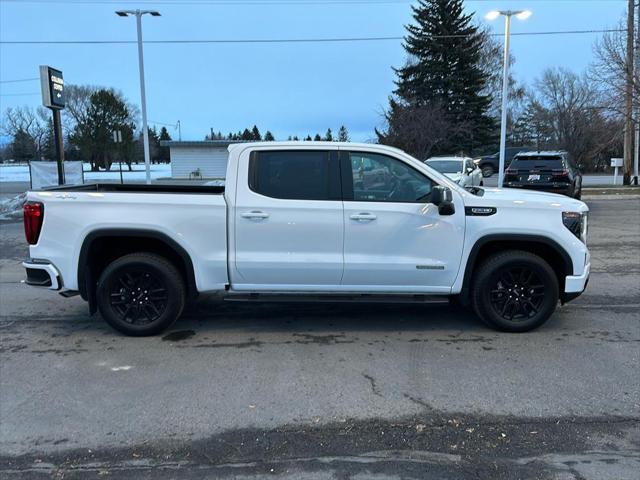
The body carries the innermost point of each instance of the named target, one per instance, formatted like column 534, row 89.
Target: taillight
column 562, row 173
column 33, row 217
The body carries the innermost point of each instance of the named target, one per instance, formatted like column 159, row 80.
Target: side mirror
column 442, row 198
column 470, row 170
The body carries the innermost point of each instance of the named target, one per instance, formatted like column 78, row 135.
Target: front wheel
column 140, row 294
column 515, row 291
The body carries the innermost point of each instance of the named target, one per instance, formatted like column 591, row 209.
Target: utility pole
column 628, row 97
column 636, row 100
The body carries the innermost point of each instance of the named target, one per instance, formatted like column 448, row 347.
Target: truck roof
column 314, row 144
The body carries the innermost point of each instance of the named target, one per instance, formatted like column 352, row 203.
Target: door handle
column 363, row 217
column 254, row 214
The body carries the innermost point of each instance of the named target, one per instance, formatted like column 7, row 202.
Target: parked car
column 490, row 164
column 461, row 170
column 546, row 171
column 293, row 220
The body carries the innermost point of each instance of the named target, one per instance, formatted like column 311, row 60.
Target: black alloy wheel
column 140, row 294
column 514, row 291
column 137, row 297
column 517, row 294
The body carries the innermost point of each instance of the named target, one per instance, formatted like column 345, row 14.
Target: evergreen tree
column 107, row 111
column 163, row 154
column 308, row 138
column 328, row 136
column 255, row 134
column 23, row 147
column 444, row 72
column 295, row 138
column 268, row 137
column 343, row 134
column 49, row 147
column 317, row 138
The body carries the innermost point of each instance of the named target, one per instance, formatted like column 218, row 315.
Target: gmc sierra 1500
column 308, row 218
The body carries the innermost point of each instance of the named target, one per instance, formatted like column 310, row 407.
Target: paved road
column 327, row 391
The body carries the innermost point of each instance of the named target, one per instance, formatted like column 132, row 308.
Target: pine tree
column 307, row 138
column 444, row 72
column 23, row 147
column 255, row 134
column 343, row 134
column 268, row 137
column 328, row 136
column 49, row 147
column 295, row 138
column 163, row 154
column 317, row 138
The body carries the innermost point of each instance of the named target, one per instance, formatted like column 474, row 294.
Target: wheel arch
column 112, row 243
column 556, row 256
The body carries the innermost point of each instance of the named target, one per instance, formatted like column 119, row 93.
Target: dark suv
column 489, row 164
column 546, row 171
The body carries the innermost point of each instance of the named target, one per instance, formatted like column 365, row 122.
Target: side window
column 468, row 164
column 379, row 178
column 291, row 175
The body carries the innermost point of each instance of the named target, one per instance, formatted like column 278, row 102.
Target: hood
column 512, row 197
column 456, row 177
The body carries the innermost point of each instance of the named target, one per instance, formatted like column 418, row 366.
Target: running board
column 336, row 298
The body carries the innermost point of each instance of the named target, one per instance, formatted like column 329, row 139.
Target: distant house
column 198, row 159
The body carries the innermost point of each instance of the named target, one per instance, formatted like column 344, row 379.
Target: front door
column 395, row 240
column 288, row 221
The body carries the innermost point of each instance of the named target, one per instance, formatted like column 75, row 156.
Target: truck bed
column 139, row 188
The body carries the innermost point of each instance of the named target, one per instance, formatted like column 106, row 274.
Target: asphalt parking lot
column 321, row 391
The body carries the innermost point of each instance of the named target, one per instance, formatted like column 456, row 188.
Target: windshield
column 446, row 166
column 538, row 162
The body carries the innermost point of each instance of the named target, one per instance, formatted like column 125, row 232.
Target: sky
column 287, row 88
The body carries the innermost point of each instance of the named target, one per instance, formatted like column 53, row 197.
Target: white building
column 198, row 159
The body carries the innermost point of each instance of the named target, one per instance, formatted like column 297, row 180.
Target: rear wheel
column 515, row 291
column 487, row 170
column 140, row 294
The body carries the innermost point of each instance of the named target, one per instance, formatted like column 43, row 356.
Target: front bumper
column 41, row 273
column 574, row 285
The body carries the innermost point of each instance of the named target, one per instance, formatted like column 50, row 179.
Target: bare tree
column 33, row 122
column 418, row 130
column 565, row 112
column 608, row 70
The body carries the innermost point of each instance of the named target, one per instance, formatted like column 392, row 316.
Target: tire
column 122, row 294
column 487, row 170
column 482, row 183
column 519, row 274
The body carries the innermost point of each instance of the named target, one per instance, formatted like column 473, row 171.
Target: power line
column 284, row 40
column 20, row 80
column 262, row 2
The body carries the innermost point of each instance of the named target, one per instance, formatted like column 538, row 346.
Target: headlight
column 576, row 222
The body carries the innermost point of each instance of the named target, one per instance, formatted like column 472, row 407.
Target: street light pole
column 521, row 15
column 505, row 93
column 143, row 97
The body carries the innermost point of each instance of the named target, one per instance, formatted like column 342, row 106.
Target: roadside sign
column 52, row 87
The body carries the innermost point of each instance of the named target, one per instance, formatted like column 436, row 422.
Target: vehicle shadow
column 209, row 314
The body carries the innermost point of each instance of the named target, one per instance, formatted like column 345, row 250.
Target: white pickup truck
column 315, row 219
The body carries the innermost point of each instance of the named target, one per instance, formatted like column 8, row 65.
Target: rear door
column 288, row 221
